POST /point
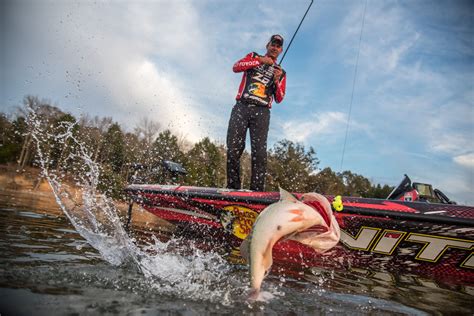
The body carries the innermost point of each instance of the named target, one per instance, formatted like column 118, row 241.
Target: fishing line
column 353, row 88
column 291, row 41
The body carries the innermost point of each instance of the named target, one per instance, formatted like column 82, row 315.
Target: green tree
column 165, row 147
column 355, row 185
column 112, row 158
column 37, row 113
column 145, row 133
column 379, row 192
column 62, row 147
column 113, row 153
column 327, row 182
column 111, row 182
column 290, row 166
column 92, row 131
column 204, row 163
column 10, row 138
column 132, row 148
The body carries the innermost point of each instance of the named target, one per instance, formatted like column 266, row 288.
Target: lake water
column 48, row 268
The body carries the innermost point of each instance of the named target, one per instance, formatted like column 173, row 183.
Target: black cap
column 276, row 38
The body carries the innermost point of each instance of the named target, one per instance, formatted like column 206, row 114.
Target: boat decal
column 386, row 241
column 363, row 240
column 435, row 246
column 240, row 220
column 186, row 212
column 469, row 262
column 385, row 205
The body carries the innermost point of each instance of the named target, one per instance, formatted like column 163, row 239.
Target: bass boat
column 416, row 231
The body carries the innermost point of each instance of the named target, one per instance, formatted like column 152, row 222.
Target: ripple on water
column 66, row 275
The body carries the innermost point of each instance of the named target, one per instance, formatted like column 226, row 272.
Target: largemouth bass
column 292, row 219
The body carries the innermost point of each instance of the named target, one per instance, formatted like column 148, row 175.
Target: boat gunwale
column 396, row 215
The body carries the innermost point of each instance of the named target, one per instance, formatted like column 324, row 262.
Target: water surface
column 48, row 268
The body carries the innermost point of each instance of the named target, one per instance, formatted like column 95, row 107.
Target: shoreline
column 26, row 190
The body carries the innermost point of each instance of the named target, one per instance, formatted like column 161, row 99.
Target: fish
column 292, row 219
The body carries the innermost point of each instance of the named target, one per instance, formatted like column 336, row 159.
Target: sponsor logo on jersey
column 257, row 89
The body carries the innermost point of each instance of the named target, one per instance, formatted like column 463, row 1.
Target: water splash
column 93, row 214
column 191, row 273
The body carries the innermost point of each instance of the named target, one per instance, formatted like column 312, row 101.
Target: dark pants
column 257, row 120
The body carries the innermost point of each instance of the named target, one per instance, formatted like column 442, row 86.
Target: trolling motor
column 171, row 173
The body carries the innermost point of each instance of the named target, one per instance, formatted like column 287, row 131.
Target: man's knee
column 259, row 156
column 233, row 154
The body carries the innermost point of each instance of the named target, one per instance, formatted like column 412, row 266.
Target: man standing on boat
column 263, row 80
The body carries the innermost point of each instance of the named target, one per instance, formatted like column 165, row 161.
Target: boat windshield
column 403, row 187
column 424, row 190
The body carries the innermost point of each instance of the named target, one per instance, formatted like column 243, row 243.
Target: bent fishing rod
column 291, row 41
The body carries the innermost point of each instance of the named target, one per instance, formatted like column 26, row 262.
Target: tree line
column 138, row 156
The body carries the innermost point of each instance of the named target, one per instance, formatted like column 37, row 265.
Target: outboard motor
column 171, row 173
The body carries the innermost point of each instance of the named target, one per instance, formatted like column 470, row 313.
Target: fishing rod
column 291, row 41
column 353, row 87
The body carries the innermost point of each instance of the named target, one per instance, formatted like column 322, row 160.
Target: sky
column 412, row 109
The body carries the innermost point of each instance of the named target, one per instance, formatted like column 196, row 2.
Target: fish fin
column 268, row 258
column 244, row 249
column 287, row 196
column 290, row 236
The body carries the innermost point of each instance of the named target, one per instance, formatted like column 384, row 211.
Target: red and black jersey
column 257, row 85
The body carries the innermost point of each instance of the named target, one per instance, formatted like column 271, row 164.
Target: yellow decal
column 258, row 89
column 234, row 257
column 337, row 203
column 243, row 219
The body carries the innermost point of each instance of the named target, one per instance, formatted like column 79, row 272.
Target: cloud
column 398, row 52
column 429, row 103
column 168, row 60
column 151, row 90
column 322, row 125
column 450, row 142
column 137, row 60
column 413, row 88
column 466, row 160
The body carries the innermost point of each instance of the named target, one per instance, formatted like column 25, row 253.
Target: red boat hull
column 434, row 241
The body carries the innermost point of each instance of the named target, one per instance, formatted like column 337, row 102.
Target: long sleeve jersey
column 258, row 85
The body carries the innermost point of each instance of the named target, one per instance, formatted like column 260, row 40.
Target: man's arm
column 280, row 88
column 248, row 62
